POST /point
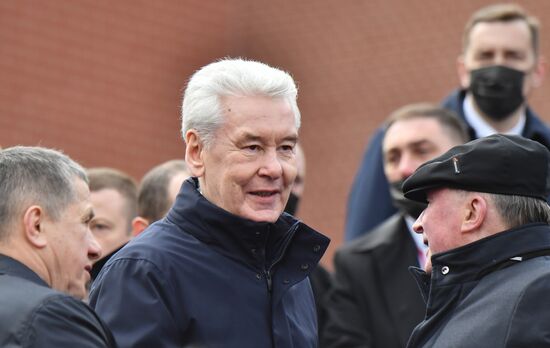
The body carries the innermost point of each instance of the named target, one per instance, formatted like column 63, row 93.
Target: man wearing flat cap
column 487, row 279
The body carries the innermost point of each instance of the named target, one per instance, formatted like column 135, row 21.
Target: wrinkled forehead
column 259, row 119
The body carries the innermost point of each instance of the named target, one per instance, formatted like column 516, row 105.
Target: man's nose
column 417, row 226
column 499, row 59
column 271, row 165
column 407, row 166
column 94, row 249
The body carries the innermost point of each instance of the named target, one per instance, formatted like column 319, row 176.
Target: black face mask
column 497, row 90
column 405, row 205
column 292, row 204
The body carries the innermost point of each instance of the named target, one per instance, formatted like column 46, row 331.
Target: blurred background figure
column 374, row 301
column 299, row 183
column 157, row 192
column 320, row 277
column 499, row 67
column 114, row 198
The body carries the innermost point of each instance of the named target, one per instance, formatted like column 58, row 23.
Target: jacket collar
column 472, row 261
column 12, row 267
column 257, row 243
column 379, row 236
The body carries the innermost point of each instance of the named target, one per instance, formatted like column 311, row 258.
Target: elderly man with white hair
column 226, row 267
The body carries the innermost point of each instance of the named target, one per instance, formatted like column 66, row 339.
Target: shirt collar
column 481, row 127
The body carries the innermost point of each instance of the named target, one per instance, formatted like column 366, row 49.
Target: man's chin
column 263, row 215
column 80, row 292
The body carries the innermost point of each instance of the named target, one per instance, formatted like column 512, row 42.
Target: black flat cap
column 503, row 164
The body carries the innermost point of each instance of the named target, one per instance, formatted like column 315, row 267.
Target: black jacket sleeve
column 63, row 321
column 345, row 325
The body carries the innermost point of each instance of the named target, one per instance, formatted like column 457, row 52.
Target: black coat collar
column 473, row 261
column 12, row 267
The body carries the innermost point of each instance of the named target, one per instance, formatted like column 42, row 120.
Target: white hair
column 201, row 107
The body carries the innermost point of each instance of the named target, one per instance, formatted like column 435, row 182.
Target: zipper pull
column 268, row 280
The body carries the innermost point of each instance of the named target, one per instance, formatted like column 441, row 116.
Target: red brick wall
column 102, row 80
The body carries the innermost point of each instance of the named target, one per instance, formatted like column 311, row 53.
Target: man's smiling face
column 250, row 166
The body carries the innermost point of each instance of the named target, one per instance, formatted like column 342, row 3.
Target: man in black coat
column 499, row 67
column 157, row 192
column 374, row 301
column 487, row 225
column 46, row 252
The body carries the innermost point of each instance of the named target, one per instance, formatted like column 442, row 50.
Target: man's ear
column 138, row 225
column 194, row 153
column 463, row 74
column 540, row 71
column 475, row 213
column 34, row 220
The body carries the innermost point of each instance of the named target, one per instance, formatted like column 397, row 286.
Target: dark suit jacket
column 34, row 315
column 374, row 301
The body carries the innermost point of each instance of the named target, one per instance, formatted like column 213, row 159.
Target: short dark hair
column 153, row 202
column 108, row 178
column 502, row 13
column 447, row 118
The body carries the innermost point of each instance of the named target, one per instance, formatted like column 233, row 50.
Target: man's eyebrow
column 412, row 143
column 252, row 137
column 420, row 143
column 292, row 138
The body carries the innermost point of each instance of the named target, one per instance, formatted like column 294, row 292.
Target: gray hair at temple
column 36, row 175
column 520, row 210
column 202, row 108
column 153, row 200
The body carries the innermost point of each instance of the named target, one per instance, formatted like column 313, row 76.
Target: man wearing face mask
column 374, row 301
column 500, row 65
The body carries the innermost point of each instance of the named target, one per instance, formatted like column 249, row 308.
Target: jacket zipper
column 267, row 272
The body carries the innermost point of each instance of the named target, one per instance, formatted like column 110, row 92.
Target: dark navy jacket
column 490, row 293
column 369, row 201
column 34, row 315
column 203, row 277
